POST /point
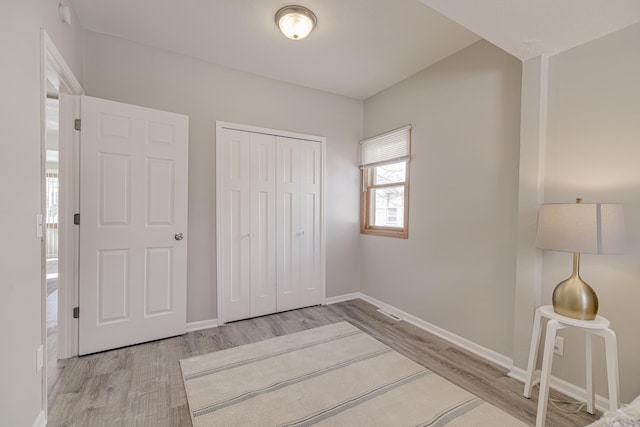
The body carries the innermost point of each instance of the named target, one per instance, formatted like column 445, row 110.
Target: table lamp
column 589, row 228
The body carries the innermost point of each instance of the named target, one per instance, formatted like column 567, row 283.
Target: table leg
column 589, row 364
column 611, row 352
column 547, row 360
column 533, row 354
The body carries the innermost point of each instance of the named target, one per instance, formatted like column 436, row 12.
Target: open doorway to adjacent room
column 60, row 105
column 52, row 203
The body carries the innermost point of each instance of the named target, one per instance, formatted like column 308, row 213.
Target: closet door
column 263, row 224
column 234, row 209
column 248, row 232
column 269, row 221
column 288, row 223
column 299, row 166
column 310, row 166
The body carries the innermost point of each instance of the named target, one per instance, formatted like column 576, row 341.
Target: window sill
column 386, row 232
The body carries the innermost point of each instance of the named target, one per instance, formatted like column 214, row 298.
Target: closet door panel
column 263, row 224
column 269, row 221
column 310, row 220
column 235, row 230
column 288, row 224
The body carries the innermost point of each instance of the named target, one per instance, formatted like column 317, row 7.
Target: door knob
column 178, row 236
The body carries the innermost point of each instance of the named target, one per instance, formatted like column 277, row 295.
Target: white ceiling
column 528, row 28
column 359, row 46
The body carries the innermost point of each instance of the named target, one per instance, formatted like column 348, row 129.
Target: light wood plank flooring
column 142, row 386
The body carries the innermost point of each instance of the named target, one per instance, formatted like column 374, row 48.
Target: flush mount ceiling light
column 295, row 22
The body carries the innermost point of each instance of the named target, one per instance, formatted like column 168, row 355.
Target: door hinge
column 76, row 312
column 77, row 124
column 76, row 219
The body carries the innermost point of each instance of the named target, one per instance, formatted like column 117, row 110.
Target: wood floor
column 142, row 385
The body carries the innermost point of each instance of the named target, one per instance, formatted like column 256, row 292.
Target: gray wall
column 20, row 263
column 124, row 71
column 593, row 151
column 457, row 269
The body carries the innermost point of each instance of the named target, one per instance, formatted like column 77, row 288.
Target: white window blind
column 390, row 147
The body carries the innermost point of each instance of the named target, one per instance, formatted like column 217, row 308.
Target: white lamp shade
column 591, row 228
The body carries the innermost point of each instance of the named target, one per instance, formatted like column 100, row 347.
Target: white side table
column 598, row 326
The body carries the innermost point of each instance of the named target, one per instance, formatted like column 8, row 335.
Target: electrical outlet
column 558, row 347
column 39, row 359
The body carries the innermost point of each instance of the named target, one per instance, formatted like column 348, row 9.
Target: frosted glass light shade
column 295, row 22
column 589, row 228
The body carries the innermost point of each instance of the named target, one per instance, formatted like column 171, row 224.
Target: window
column 384, row 160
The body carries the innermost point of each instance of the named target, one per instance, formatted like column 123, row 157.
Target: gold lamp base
column 573, row 297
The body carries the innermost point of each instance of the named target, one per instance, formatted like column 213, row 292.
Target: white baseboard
column 520, row 375
column 202, row 324
column 41, row 420
column 477, row 349
column 565, row 387
column 342, row 298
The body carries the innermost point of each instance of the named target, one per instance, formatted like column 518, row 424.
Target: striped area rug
column 333, row 375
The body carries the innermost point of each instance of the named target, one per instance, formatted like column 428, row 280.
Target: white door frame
column 55, row 70
column 69, row 236
column 220, row 125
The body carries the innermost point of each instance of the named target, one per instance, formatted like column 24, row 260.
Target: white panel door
column 248, row 219
column 270, row 242
column 234, row 210
column 263, row 224
column 299, row 254
column 310, row 166
column 133, row 232
column 288, row 223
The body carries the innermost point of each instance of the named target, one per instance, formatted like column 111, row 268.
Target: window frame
column 365, row 207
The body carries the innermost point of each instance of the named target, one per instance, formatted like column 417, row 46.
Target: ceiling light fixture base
column 295, row 22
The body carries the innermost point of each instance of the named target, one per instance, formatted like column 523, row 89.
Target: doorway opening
column 52, row 203
column 59, row 106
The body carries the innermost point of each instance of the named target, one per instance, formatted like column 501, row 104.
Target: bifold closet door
column 235, row 209
column 310, row 220
column 248, row 225
column 298, row 171
column 263, row 224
